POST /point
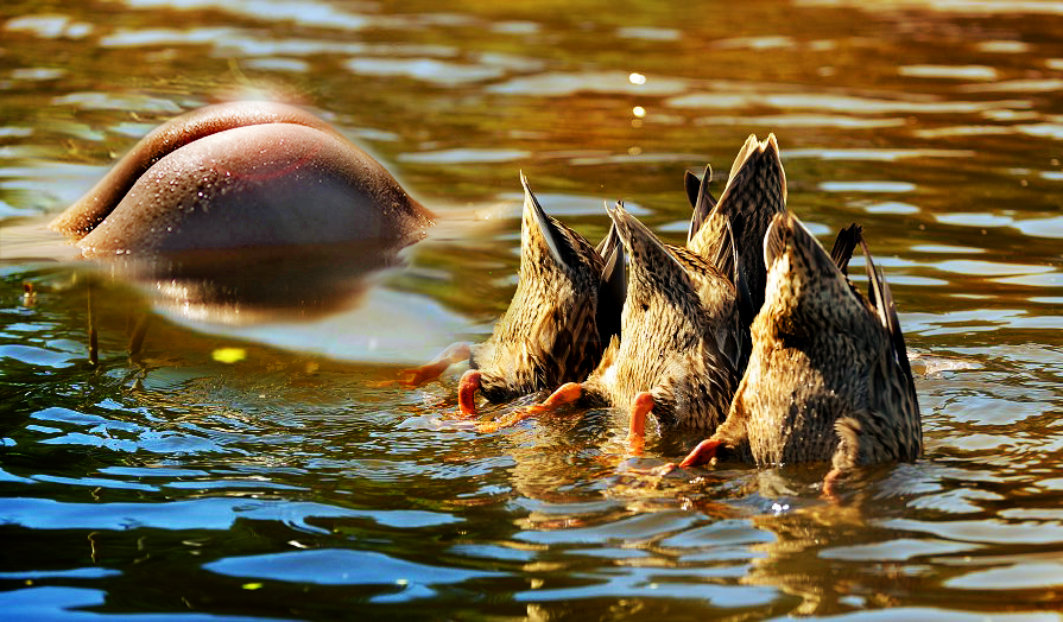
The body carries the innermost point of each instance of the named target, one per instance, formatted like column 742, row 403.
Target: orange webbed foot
column 566, row 394
column 467, row 388
column 702, row 454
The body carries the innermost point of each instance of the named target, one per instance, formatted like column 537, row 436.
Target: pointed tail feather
column 700, row 199
column 612, row 288
column 844, row 245
column 881, row 299
column 546, row 229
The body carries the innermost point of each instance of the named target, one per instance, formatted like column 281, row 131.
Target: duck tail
column 541, row 228
column 881, row 299
column 610, row 241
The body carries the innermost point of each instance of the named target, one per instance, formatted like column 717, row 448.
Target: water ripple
column 402, row 580
column 609, row 82
column 214, row 513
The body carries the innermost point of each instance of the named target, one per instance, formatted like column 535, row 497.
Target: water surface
column 260, row 471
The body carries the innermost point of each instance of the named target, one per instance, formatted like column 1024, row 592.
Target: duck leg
column 641, row 406
column 467, row 388
column 566, row 394
column 416, row 376
column 831, row 480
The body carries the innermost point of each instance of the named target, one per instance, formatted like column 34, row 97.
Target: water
column 235, row 472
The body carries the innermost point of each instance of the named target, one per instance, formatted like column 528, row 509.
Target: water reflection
column 249, row 286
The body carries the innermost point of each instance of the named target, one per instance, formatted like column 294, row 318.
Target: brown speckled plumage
column 829, row 377
column 549, row 334
column 755, row 192
column 677, row 318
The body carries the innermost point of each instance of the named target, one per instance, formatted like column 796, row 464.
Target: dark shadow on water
column 254, row 285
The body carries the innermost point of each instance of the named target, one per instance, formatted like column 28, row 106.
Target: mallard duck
column 563, row 313
column 676, row 356
column 829, row 377
column 755, row 192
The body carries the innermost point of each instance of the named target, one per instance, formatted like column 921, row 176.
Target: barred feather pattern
column 826, row 380
column 677, row 304
column 548, row 335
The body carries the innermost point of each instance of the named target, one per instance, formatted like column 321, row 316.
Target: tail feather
column 546, row 230
column 700, row 199
column 844, row 245
column 881, row 299
column 612, row 287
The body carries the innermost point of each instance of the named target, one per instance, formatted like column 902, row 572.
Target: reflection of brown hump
column 242, row 174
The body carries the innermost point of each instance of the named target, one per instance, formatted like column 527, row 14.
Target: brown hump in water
column 241, row 175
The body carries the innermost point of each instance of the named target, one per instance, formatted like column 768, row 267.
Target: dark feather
column 612, row 289
column 844, row 245
column 692, row 184
column 700, row 199
column 881, row 298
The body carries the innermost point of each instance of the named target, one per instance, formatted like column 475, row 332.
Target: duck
column 564, row 312
column 674, row 357
column 829, row 378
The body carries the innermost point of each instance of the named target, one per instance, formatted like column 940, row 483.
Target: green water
column 285, row 483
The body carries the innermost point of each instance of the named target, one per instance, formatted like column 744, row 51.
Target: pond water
column 262, row 471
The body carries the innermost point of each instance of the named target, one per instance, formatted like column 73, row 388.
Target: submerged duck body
column 676, row 356
column 557, row 324
column 829, row 378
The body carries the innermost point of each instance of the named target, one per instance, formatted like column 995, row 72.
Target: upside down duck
column 829, row 377
column 754, row 193
column 565, row 310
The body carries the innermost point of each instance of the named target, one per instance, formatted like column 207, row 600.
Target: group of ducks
column 751, row 333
